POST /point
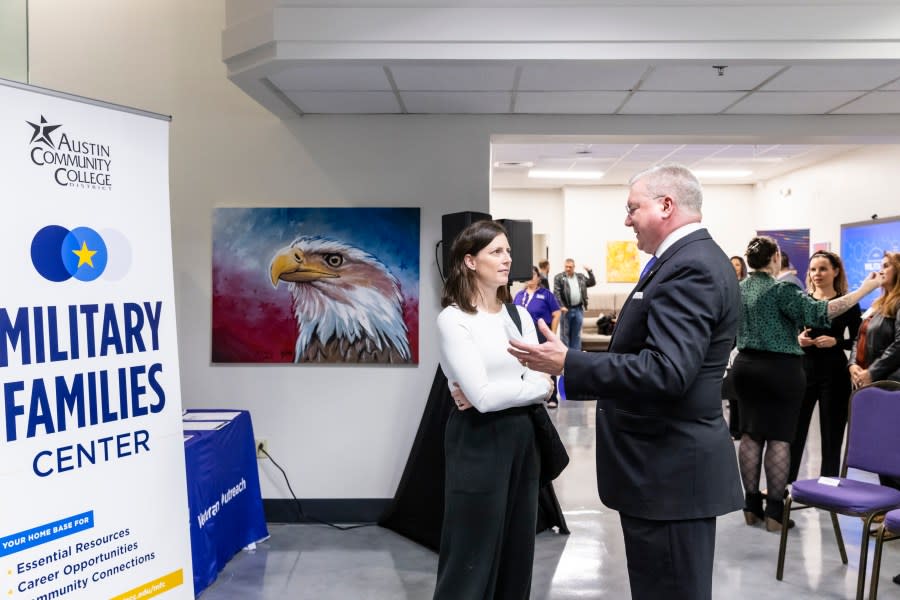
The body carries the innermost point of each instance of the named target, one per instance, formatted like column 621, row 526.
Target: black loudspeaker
column 451, row 225
column 520, row 240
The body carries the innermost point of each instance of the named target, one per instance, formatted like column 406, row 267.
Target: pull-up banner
column 92, row 487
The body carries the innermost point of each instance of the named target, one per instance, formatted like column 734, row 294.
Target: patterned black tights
column 777, row 463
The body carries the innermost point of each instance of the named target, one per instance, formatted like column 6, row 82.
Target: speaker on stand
column 520, row 240
column 451, row 225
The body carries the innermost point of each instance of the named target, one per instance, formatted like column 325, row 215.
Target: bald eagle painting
column 343, row 290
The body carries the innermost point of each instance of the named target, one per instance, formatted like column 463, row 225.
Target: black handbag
column 554, row 457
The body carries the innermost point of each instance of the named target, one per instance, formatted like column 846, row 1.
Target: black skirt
column 769, row 388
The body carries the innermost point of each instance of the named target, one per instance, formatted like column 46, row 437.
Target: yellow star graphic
column 84, row 255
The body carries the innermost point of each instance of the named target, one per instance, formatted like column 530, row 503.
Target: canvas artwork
column 623, row 264
column 315, row 285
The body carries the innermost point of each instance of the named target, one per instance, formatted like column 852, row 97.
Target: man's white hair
column 675, row 181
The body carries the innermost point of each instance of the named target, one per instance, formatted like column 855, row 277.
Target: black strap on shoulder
column 514, row 315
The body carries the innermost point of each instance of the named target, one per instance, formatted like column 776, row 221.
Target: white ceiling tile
column 688, row 154
column 678, row 103
column 784, row 150
column 834, row 77
column 576, row 76
column 650, row 153
column 345, row 102
column 453, row 78
column 331, row 78
column 790, row 103
column 695, row 151
column 569, row 102
column 765, row 160
column 873, row 104
column 706, row 78
column 608, row 150
column 893, row 87
column 741, row 151
column 456, row 102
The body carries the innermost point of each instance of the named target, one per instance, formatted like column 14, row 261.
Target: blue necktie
column 648, row 266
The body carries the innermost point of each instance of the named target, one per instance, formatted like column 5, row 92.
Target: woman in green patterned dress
column 768, row 373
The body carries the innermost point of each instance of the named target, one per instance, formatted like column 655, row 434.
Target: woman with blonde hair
column 876, row 352
column 824, row 357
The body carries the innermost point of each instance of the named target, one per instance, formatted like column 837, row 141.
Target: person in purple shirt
column 540, row 304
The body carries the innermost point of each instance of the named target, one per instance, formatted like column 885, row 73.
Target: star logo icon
column 42, row 132
column 85, row 256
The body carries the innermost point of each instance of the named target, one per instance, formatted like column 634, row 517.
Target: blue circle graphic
column 59, row 254
column 45, row 254
column 84, row 254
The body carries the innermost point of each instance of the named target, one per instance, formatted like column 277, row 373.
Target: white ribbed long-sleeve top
column 474, row 354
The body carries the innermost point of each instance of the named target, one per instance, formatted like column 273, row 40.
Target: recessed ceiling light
column 709, row 174
column 563, row 174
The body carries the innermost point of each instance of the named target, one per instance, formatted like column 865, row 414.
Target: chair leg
column 863, row 557
column 876, row 565
column 839, row 537
column 779, row 572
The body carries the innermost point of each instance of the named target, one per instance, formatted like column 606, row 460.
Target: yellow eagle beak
column 290, row 264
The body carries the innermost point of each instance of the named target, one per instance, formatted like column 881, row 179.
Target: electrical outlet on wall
column 262, row 446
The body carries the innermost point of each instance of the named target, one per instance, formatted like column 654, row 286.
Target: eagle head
column 347, row 303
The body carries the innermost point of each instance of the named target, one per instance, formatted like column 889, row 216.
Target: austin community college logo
column 59, row 254
column 74, row 163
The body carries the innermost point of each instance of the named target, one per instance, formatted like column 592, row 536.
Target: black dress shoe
column 897, row 579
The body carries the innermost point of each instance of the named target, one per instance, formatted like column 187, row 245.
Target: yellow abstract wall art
column 622, row 262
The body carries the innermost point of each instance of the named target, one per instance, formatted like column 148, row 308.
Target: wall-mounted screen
column 863, row 246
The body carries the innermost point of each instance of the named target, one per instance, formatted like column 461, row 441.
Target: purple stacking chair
column 872, row 445
column 890, row 530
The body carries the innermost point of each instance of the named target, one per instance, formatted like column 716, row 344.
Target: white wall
column 340, row 432
column 544, row 207
column 846, row 189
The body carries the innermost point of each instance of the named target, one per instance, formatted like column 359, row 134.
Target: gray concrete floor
column 318, row 562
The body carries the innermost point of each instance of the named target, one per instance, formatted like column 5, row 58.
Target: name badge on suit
column 638, row 296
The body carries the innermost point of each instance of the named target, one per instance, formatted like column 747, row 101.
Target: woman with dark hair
column 876, row 351
column 734, row 411
column 740, row 267
column 824, row 359
column 540, row 304
column 492, row 468
column 769, row 376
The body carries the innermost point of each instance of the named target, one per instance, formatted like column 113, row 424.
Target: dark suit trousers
column 670, row 560
column 490, row 508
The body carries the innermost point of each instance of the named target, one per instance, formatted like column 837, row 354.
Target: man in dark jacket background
column 570, row 289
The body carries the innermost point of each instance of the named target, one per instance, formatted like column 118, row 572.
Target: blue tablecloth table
column 224, row 497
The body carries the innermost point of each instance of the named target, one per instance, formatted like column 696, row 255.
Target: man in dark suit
column 665, row 459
